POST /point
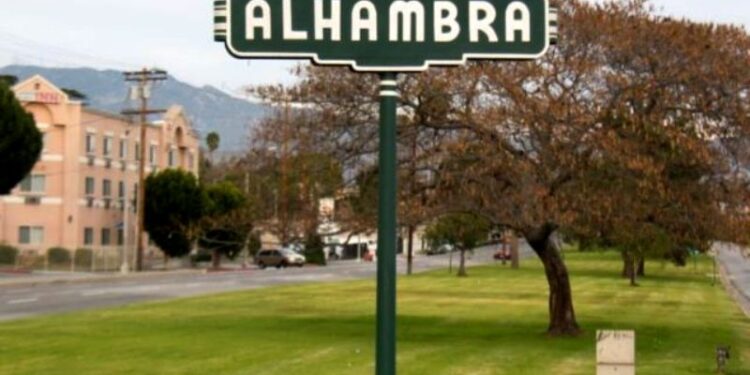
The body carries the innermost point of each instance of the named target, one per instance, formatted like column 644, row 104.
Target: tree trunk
column 515, row 256
column 627, row 265
column 215, row 259
column 562, row 314
column 641, row 267
column 462, row 265
column 410, row 251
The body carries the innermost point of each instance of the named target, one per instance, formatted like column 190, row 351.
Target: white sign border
column 373, row 69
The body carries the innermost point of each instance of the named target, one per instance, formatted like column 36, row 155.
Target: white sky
column 177, row 35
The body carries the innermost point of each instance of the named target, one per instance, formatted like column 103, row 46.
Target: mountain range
column 210, row 109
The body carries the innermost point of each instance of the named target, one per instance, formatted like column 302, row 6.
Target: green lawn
column 490, row 323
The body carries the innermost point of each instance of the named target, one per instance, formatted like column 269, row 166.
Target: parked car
column 295, row 247
column 503, row 255
column 440, row 250
column 279, row 258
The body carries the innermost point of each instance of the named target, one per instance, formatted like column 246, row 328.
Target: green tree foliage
column 83, row 258
column 59, row 255
column 20, row 141
column 225, row 225
column 223, row 197
column 174, row 205
column 213, row 141
column 208, row 172
column 75, row 94
column 173, row 241
column 8, row 254
column 8, row 79
column 464, row 231
column 314, row 249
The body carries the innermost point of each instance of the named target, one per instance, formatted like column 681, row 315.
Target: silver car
column 279, row 258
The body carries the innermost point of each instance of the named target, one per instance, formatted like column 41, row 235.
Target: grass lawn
column 490, row 323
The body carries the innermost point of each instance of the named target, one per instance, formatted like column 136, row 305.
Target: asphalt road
column 737, row 268
column 24, row 301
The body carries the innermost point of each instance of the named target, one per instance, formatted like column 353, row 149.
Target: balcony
column 90, row 202
column 91, row 161
column 108, row 163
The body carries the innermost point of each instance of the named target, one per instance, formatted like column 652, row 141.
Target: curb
column 10, row 271
column 94, row 278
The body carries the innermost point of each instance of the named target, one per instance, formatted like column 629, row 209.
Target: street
column 45, row 298
column 737, row 269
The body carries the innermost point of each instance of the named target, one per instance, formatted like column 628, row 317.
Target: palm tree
column 212, row 141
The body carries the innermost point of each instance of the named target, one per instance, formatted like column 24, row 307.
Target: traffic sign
column 385, row 36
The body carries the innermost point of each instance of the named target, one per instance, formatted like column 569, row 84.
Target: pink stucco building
column 81, row 192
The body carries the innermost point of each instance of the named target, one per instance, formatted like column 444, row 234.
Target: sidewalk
column 735, row 273
column 41, row 278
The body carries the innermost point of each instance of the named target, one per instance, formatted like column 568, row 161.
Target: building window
column 171, row 157
column 90, row 143
column 107, row 188
column 190, row 160
column 137, row 150
column 28, row 235
column 123, row 149
column 88, row 236
column 35, row 183
column 121, row 190
column 90, row 187
column 120, row 237
column 152, row 155
column 107, row 146
column 106, row 237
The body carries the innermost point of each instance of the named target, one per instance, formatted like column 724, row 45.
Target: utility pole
column 283, row 193
column 125, row 267
column 143, row 80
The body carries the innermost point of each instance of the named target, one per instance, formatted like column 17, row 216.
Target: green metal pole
column 386, row 300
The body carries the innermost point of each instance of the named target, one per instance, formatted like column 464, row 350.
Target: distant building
column 81, row 193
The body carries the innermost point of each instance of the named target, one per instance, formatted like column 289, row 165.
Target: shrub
column 58, row 255
column 314, row 250
column 83, row 257
column 8, row 254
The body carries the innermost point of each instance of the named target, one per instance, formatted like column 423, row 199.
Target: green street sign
column 386, row 35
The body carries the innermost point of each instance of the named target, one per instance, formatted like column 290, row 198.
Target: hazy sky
column 177, row 35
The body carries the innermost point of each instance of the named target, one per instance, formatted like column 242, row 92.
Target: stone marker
column 615, row 353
